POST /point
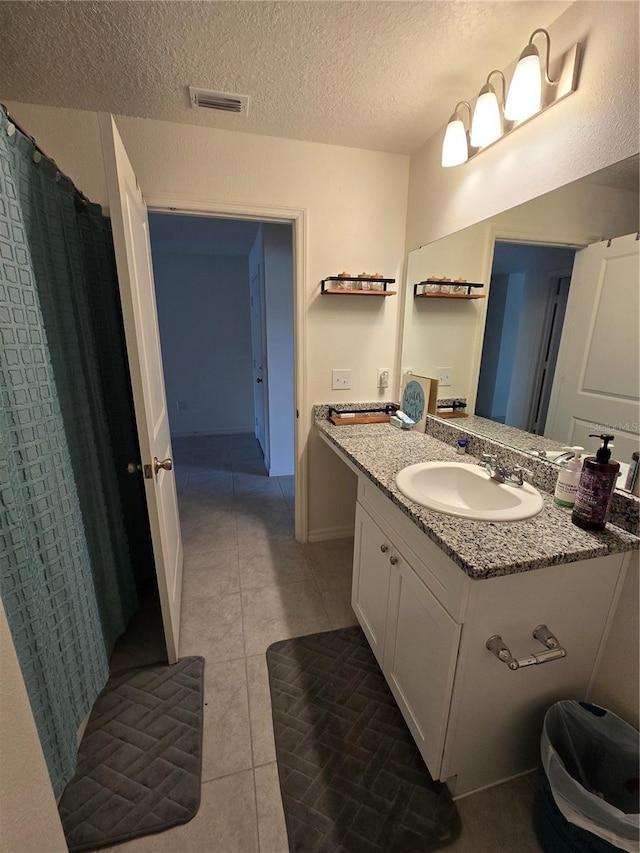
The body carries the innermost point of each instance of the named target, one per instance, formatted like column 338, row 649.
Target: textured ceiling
column 624, row 175
column 377, row 75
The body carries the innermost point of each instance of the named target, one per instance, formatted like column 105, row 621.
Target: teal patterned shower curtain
column 66, row 575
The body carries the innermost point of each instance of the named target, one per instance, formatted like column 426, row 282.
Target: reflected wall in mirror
column 552, row 352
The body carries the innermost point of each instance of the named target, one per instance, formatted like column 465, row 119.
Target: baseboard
column 326, row 533
column 198, row 433
column 491, row 785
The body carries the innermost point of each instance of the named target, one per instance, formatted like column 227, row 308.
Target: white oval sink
column 467, row 491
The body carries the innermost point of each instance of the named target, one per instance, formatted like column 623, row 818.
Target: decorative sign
column 413, row 400
column 419, row 398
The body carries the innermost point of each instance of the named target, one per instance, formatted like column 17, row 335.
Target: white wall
column 616, row 682
column 441, row 332
column 28, row 824
column 355, row 203
column 205, row 333
column 278, row 285
column 595, row 126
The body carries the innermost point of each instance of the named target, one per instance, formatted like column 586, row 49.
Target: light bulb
column 455, row 148
column 525, row 91
column 486, row 126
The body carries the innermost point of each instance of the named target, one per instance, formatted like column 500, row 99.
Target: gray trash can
column 587, row 799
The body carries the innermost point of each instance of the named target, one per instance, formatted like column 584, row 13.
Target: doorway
column 525, row 313
column 224, row 292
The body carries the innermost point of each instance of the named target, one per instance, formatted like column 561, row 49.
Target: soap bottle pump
column 595, row 488
column 568, row 479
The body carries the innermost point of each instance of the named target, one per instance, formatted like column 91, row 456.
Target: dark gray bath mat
column 140, row 759
column 351, row 777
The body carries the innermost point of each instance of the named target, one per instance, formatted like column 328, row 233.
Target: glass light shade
column 486, row 126
column 455, row 149
column 525, row 91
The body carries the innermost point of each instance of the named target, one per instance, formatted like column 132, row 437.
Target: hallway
column 247, row 584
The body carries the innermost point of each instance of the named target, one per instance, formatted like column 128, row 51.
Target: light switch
column 445, row 376
column 341, row 380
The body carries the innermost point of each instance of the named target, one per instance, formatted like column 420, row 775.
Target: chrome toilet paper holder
column 554, row 651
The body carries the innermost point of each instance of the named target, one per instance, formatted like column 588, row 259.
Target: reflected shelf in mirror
column 433, row 289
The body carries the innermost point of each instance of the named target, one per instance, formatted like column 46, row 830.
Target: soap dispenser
column 568, row 479
column 595, row 489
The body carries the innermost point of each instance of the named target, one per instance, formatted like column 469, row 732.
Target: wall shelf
column 427, row 295
column 449, row 295
column 332, row 290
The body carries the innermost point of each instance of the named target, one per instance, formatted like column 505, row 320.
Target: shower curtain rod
column 43, row 153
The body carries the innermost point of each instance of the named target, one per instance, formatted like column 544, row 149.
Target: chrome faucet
column 516, row 478
column 563, row 458
column 501, row 474
column 491, row 464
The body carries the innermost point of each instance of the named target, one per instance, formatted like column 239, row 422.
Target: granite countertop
column 482, row 549
column 510, row 436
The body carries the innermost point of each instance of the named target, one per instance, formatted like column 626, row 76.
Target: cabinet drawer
column 446, row 581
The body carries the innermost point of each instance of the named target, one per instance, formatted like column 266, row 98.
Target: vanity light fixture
column 486, row 125
column 525, row 91
column 455, row 148
column 532, row 91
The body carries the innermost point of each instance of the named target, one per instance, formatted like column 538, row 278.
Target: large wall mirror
column 551, row 353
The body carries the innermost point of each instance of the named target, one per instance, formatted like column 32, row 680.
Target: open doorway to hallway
column 224, row 291
column 527, row 304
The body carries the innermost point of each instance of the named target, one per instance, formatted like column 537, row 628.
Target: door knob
column 165, row 464
column 258, row 379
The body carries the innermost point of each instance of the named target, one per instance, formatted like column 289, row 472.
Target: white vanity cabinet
column 475, row 721
column 413, row 637
column 370, row 591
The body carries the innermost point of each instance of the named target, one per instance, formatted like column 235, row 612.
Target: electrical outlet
column 445, row 376
column 383, row 377
column 340, row 380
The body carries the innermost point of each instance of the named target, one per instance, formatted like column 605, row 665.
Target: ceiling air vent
column 222, row 101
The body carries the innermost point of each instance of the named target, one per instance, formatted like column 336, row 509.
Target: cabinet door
column 420, row 659
column 371, row 570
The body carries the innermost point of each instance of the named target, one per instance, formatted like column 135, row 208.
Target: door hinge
column 148, row 472
column 297, row 414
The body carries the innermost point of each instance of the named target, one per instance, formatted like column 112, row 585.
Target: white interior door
column 135, row 274
column 596, row 384
column 259, row 354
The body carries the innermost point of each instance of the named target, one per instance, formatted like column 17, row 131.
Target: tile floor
column 247, row 583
